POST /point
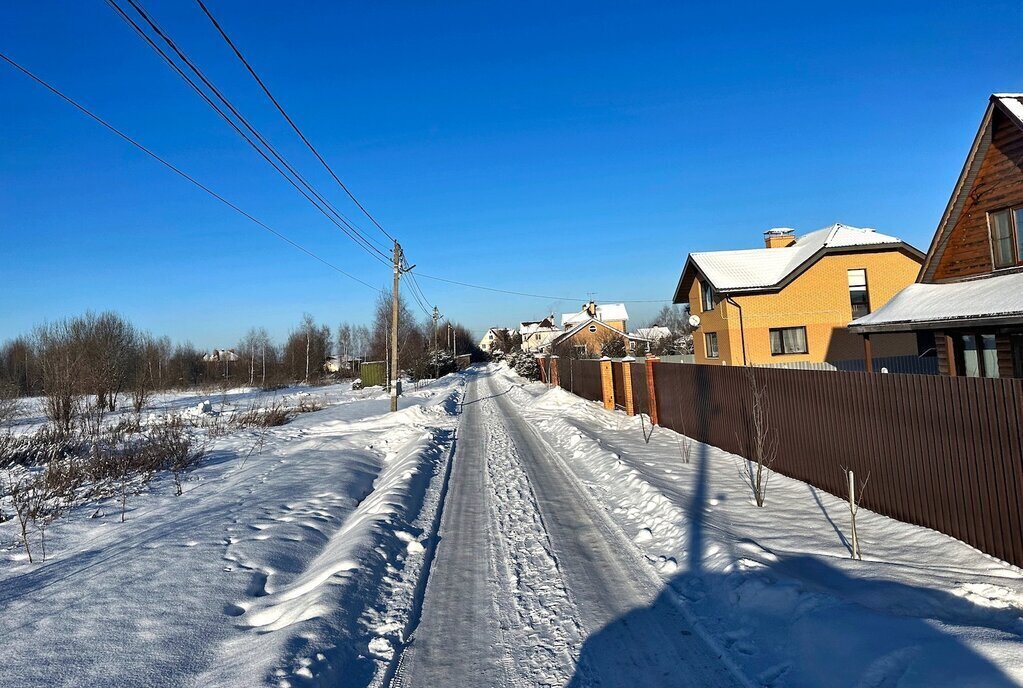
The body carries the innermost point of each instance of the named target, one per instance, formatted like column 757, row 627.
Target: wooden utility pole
column 394, row 328
column 436, row 358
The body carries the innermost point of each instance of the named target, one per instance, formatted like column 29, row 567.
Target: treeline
column 108, row 359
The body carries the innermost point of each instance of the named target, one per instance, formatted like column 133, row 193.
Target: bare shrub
column 39, row 449
column 309, row 404
column 758, row 456
column 271, row 416
column 22, row 492
column 172, row 448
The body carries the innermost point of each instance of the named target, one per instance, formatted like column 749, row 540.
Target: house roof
column 532, row 326
column 653, row 333
column 1011, row 106
column 761, row 269
column 989, row 300
column 568, row 334
column 605, row 312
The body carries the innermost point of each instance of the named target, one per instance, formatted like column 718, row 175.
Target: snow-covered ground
column 776, row 585
column 570, row 552
column 291, row 558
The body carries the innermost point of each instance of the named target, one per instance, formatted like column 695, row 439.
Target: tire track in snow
column 542, row 632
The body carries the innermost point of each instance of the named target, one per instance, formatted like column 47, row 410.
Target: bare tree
column 759, row 455
column 10, row 407
column 60, row 355
column 854, row 507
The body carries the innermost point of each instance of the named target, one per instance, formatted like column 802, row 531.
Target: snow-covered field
column 291, row 558
column 776, row 586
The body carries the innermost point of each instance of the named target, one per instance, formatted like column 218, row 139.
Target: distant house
column 493, row 337
column 586, row 339
column 792, row 300
column 968, row 297
column 654, row 334
column 537, row 333
column 218, row 355
column 611, row 314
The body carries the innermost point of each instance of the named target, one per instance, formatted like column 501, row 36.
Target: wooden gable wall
column 999, row 184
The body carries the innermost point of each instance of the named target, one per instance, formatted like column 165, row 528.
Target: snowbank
column 291, row 558
column 776, row 585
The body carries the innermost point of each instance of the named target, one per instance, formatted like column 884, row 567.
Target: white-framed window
column 706, row 295
column 1006, row 232
column 859, row 296
column 580, row 350
column 592, row 328
column 788, row 340
column 710, row 341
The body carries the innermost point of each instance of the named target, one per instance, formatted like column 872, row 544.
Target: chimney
column 779, row 237
column 591, row 309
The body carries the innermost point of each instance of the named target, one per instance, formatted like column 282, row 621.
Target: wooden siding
column 999, row 184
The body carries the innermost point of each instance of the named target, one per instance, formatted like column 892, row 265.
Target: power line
column 294, row 126
column 316, row 199
column 176, row 170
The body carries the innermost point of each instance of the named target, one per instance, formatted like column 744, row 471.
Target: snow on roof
column 1012, row 103
column 605, row 313
column 532, row 326
column 652, row 333
column 989, row 297
column 765, row 267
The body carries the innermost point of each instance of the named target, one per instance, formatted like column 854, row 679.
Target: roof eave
column 939, row 324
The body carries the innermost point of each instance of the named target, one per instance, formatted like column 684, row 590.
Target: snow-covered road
column 533, row 585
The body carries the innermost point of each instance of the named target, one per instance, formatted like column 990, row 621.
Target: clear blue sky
column 559, row 148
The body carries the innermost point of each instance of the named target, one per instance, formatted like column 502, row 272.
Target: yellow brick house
column 792, row 300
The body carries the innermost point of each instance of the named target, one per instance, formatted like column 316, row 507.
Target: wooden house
column 968, row 296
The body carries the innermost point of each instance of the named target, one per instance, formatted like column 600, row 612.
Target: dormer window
column 1006, row 228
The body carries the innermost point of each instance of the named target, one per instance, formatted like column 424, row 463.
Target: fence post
column 555, row 378
column 628, row 402
column 651, row 391
column 607, row 384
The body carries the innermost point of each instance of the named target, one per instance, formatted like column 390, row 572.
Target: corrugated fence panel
column 586, row 378
column 945, row 453
column 639, row 390
column 618, row 381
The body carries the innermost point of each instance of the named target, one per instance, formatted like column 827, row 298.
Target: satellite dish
column 694, row 321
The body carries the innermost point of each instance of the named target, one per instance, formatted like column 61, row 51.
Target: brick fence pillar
column 607, row 384
column 629, row 401
column 555, row 378
column 651, row 391
column 541, row 363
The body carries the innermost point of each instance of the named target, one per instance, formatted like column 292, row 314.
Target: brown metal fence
column 945, row 453
column 581, row 377
column 639, row 391
column 618, row 383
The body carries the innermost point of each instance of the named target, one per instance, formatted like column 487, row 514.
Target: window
column 1006, row 227
column 707, row 295
column 788, row 340
column 592, row 328
column 858, row 294
column 978, row 355
column 580, row 350
column 710, row 339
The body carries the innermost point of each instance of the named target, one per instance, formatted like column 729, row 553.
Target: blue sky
column 554, row 148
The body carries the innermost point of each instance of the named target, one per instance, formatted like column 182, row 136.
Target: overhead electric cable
column 316, row 199
column 287, row 117
column 176, row 170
